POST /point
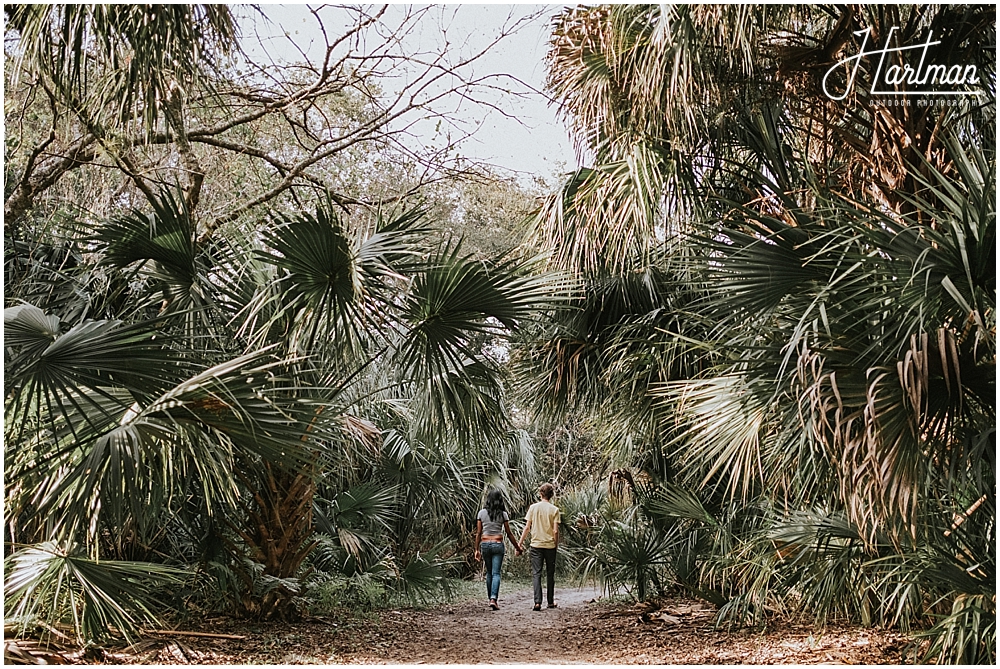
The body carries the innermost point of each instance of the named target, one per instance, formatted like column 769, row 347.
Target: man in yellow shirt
column 542, row 521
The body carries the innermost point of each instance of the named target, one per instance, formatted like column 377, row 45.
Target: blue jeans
column 493, row 557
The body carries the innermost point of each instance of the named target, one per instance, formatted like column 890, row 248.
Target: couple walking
column 541, row 521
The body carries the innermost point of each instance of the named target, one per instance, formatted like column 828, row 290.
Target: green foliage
column 792, row 351
column 142, row 52
column 425, row 574
column 358, row 593
column 772, row 313
column 369, row 580
column 352, row 331
column 631, row 556
column 49, row 584
column 967, row 635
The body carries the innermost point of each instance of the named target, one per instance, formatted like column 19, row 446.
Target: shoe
column 493, row 605
column 552, row 606
column 536, row 607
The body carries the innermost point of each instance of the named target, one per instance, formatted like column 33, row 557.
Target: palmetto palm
column 248, row 369
column 664, row 103
column 822, row 332
column 120, row 64
column 105, row 424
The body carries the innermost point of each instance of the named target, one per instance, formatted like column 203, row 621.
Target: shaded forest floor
column 582, row 630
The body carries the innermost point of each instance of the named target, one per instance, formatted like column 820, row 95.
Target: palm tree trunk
column 279, row 535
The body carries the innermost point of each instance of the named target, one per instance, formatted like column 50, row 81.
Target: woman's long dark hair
column 494, row 505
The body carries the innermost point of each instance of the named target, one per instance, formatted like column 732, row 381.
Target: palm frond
column 118, row 62
column 96, row 598
column 319, row 282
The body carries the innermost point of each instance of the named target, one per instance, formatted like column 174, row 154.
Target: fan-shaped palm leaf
column 56, row 585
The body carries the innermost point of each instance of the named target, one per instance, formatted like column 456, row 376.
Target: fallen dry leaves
column 582, row 630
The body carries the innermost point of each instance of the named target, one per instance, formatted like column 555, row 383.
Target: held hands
column 518, row 550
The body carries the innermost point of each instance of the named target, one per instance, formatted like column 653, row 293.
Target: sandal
column 552, row 606
column 493, row 605
column 536, row 607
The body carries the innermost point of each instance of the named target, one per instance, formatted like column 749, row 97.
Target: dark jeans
column 493, row 559
column 548, row 556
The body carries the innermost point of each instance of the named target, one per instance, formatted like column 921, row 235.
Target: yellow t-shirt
column 544, row 518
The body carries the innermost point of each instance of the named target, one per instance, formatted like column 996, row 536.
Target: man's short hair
column 546, row 490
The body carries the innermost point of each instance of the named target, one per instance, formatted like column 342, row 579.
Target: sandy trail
column 583, row 631
column 472, row 633
column 580, row 631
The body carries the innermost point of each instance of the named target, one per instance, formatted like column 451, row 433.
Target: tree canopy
column 259, row 342
column 785, row 327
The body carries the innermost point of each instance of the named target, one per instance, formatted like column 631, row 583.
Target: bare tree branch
column 368, row 89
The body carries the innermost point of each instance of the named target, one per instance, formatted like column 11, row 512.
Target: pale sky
column 537, row 145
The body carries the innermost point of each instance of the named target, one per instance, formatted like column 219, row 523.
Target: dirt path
column 582, row 630
column 471, row 633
